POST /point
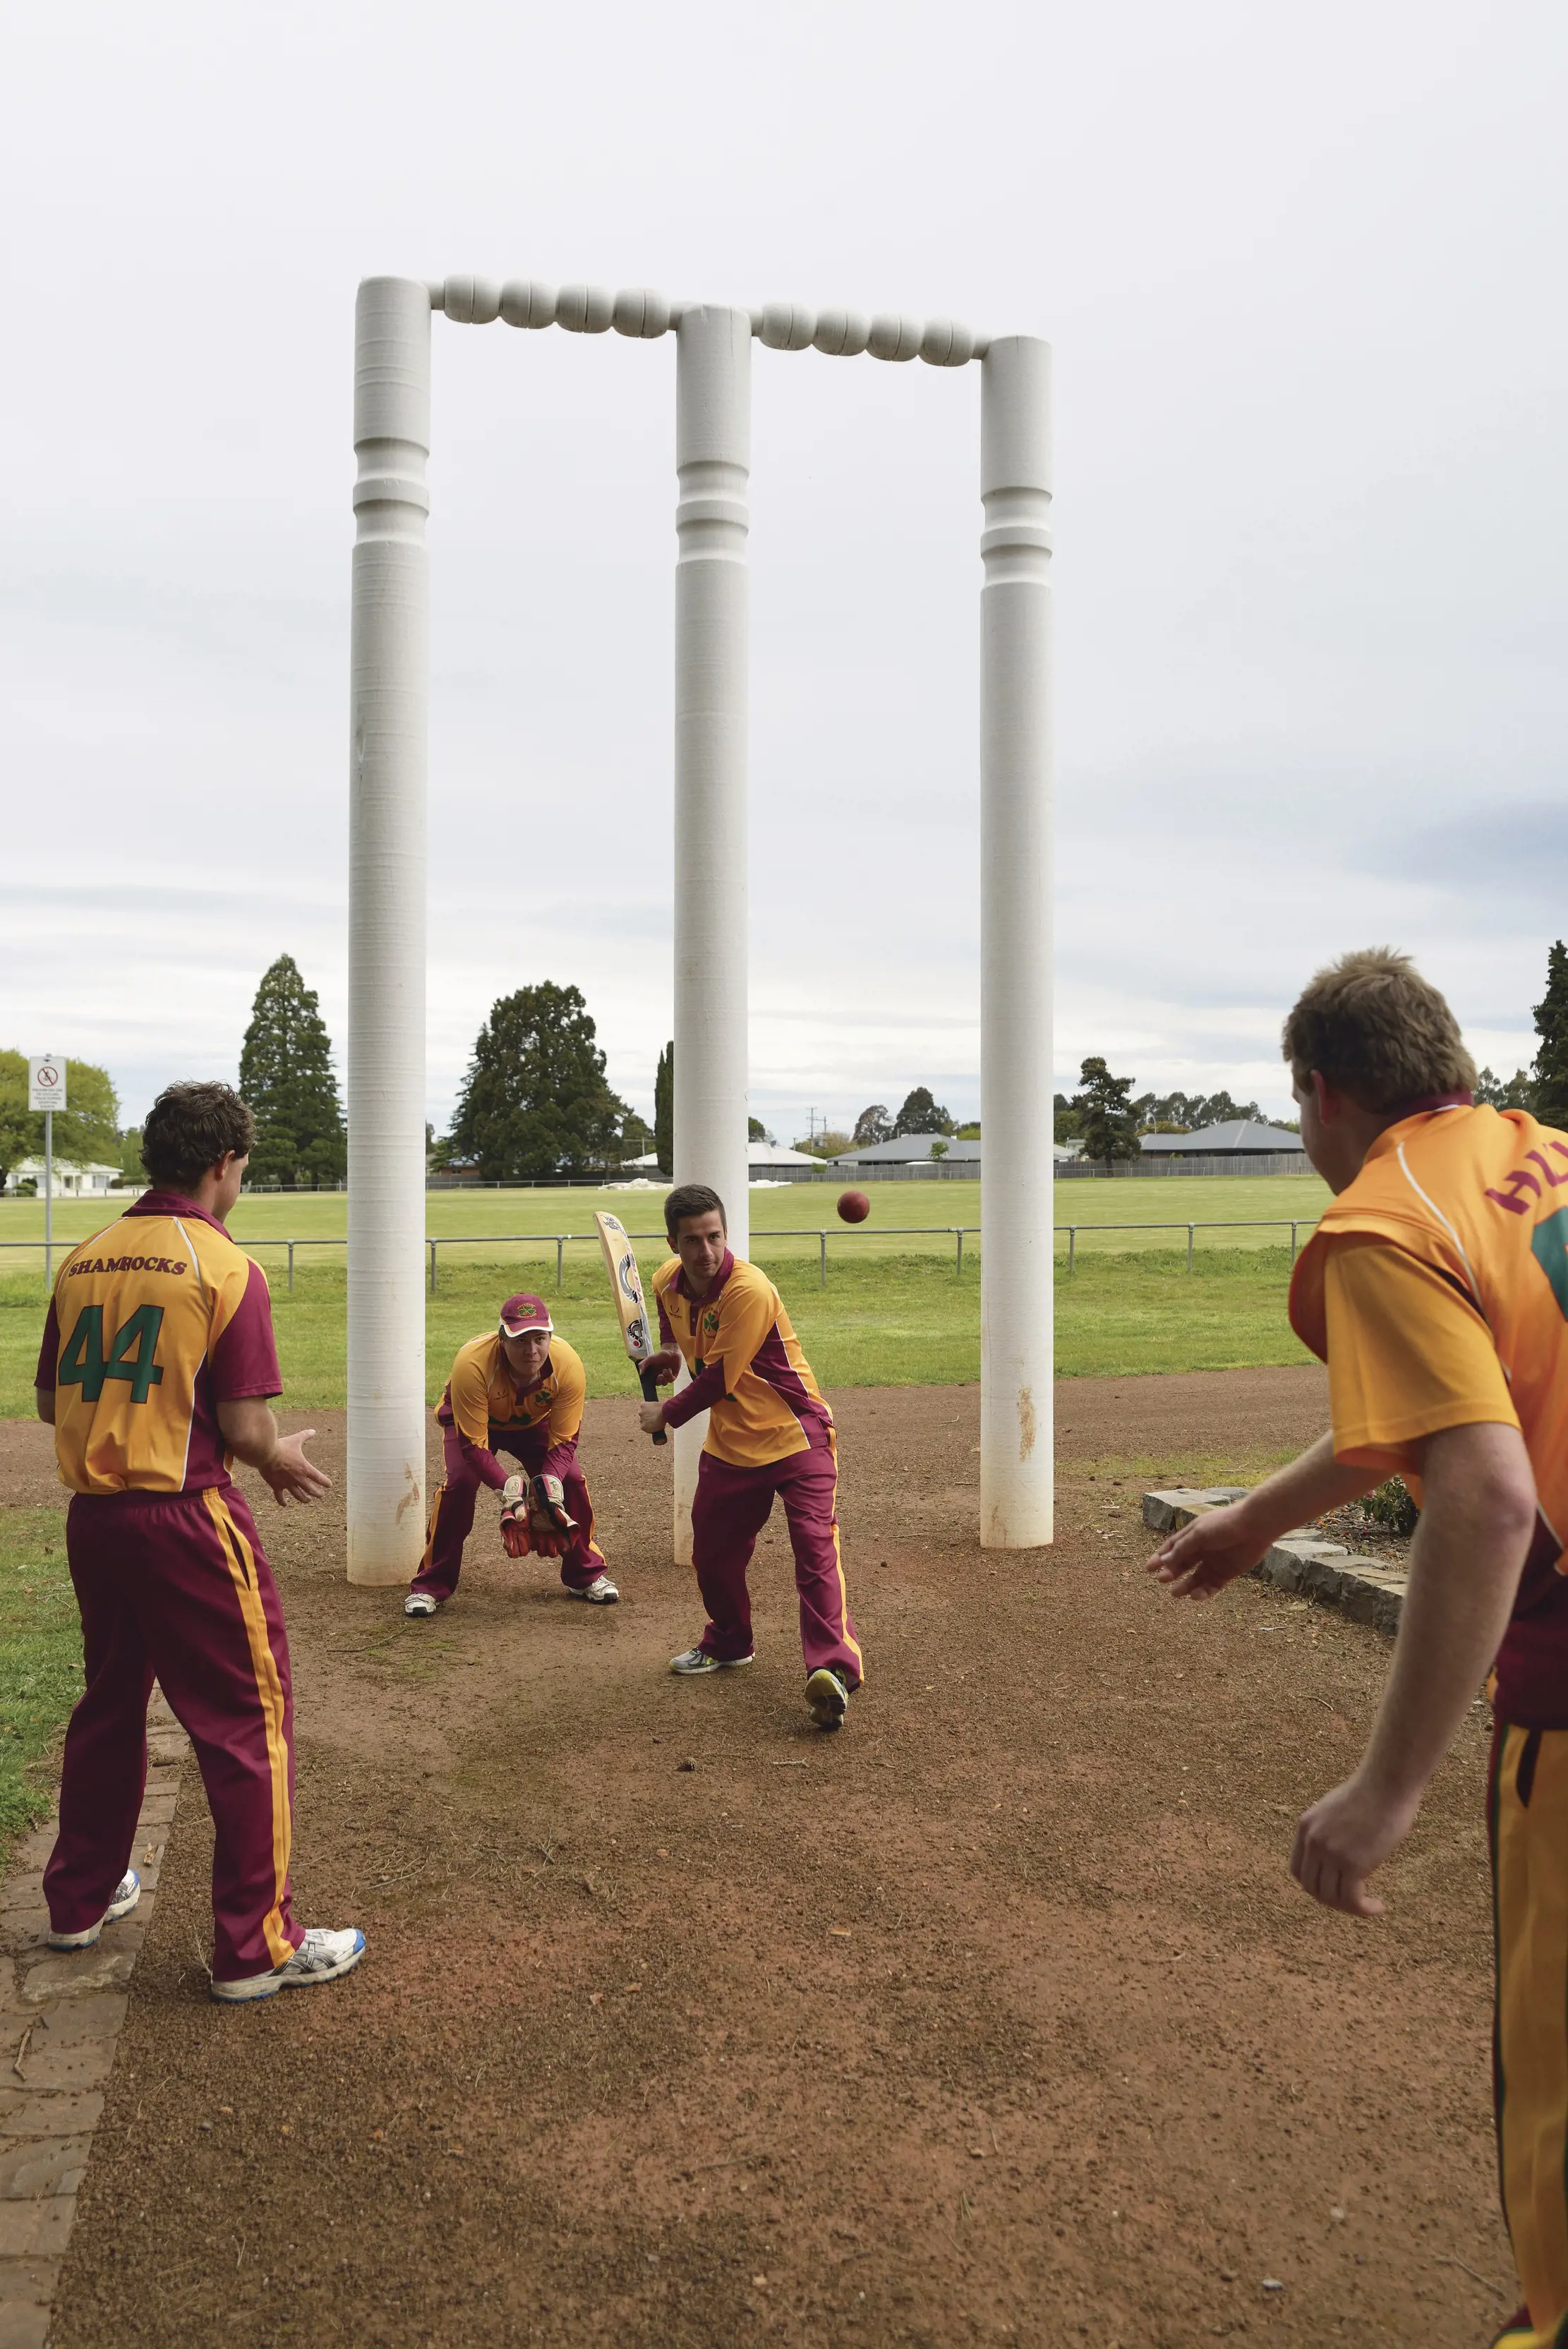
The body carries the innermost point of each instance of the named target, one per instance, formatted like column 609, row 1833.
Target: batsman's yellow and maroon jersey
column 482, row 1396
column 1435, row 1289
column 747, row 1369
column 152, row 1325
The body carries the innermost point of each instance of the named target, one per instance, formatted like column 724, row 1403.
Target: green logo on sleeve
column 130, row 1353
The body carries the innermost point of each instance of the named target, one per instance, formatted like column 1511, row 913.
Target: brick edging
column 60, row 2015
column 1361, row 1587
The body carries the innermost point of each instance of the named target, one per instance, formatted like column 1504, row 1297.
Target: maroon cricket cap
column 524, row 1312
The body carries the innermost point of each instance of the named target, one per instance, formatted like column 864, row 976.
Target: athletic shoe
column 600, row 1592
column 127, row 1893
column 828, row 1698
column 419, row 1602
column 698, row 1660
column 321, row 1957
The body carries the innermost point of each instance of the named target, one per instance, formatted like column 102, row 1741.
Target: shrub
column 1391, row 1507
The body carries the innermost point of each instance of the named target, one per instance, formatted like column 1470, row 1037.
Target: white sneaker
column 321, row 1957
column 600, row 1592
column 698, row 1660
column 127, row 1893
column 419, row 1602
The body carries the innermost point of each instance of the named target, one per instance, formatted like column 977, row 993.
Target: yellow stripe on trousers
column 1530, row 1843
column 269, row 1690
column 848, row 1635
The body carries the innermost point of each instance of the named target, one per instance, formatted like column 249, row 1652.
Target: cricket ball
column 854, row 1206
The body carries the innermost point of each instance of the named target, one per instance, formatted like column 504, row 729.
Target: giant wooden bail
column 389, row 726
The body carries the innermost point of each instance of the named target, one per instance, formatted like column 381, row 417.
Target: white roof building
column 71, row 1180
column 1238, row 1137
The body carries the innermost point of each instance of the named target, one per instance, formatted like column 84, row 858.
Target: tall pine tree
column 1551, row 1103
column 285, row 1075
column 1106, row 1119
column 534, row 1101
column 664, row 1109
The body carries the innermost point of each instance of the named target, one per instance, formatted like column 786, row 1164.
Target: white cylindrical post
column 389, row 719
column 1016, row 1433
column 712, row 462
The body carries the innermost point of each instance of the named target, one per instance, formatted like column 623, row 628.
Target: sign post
column 46, row 1091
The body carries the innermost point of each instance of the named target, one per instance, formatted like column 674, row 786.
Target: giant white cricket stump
column 388, row 721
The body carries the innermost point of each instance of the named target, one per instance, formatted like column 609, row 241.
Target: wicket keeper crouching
column 519, row 1390
column 769, row 1432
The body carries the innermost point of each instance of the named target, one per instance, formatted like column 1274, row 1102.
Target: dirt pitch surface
column 995, row 2018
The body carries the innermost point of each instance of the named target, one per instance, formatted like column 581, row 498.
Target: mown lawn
column 898, row 1210
column 883, row 1319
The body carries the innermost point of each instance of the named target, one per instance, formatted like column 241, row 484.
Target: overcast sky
column 1303, row 270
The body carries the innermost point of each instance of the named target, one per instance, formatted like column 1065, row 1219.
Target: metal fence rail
column 957, row 1233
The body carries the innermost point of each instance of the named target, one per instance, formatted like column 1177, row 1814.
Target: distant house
column 71, row 1180
column 770, row 1162
column 1238, row 1137
column 910, row 1150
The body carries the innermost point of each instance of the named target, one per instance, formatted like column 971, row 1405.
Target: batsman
column 517, row 1389
column 768, row 1432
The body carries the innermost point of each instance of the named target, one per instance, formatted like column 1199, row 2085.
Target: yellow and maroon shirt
column 747, row 1369
column 152, row 1325
column 1435, row 1289
column 482, row 1403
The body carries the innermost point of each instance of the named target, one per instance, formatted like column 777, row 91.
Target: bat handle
column 650, row 1394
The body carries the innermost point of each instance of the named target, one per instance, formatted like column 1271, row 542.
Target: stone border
column 60, row 2014
column 1361, row 1587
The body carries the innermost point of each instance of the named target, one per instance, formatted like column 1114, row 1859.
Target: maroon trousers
column 730, row 1509
column 451, row 1512
column 176, row 1586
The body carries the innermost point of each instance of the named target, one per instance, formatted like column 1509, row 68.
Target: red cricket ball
column 854, row 1206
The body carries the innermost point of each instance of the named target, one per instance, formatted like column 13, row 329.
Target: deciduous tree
column 87, row 1132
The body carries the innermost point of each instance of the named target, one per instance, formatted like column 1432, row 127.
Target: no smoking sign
column 45, row 1083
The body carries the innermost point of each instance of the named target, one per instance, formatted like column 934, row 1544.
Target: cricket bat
column 626, row 1288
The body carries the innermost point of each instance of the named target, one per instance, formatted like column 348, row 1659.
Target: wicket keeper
column 158, row 1369
column 769, row 1432
column 517, row 1389
column 1436, row 1290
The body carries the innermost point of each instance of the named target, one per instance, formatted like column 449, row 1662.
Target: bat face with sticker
column 631, row 1308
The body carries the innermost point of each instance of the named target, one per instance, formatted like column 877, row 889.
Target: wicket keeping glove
column 516, row 1534
column 553, row 1527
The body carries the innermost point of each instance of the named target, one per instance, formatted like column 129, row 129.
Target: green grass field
column 906, row 1219
column 895, row 1309
column 40, row 1660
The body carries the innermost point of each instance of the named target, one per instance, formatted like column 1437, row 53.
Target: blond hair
column 1375, row 1029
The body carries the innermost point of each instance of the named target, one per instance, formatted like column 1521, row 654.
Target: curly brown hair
column 189, row 1128
column 1375, row 1029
